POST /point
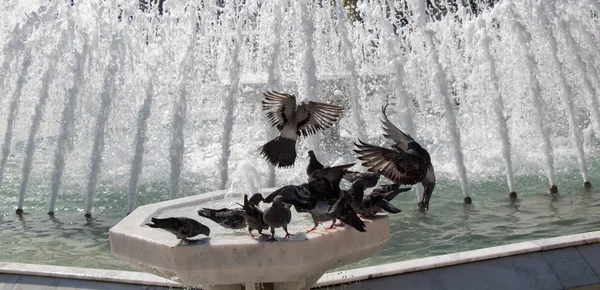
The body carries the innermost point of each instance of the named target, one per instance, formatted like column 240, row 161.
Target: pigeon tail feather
column 280, row 151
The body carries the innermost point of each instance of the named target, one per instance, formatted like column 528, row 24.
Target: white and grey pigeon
column 292, row 121
column 278, row 215
column 406, row 163
column 182, row 227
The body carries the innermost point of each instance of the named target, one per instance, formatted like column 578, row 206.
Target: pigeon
column 356, row 192
column 320, row 214
column 297, row 195
column 313, row 164
column 227, row 218
column 370, row 178
column 277, row 216
column 342, row 210
column 323, row 185
column 406, row 163
column 291, row 121
column 183, row 228
column 253, row 214
column 378, row 200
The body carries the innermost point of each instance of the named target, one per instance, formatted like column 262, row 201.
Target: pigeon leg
column 332, row 226
column 272, row 238
column 250, row 231
column 313, row 229
column 341, row 224
column 287, row 235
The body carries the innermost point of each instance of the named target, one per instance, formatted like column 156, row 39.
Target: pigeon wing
column 315, row 116
column 390, row 131
column 333, row 173
column 398, row 166
column 279, row 108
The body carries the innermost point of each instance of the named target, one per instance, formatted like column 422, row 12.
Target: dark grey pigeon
column 253, row 214
column 297, row 195
column 277, row 216
column 293, row 120
column 356, row 192
column 370, row 178
column 323, row 185
column 380, row 200
column 227, row 218
column 342, row 210
column 183, row 228
column 406, row 163
column 313, row 164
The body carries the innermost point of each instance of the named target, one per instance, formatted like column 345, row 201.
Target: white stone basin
column 230, row 262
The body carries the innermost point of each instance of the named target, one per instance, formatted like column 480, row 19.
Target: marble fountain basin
column 223, row 261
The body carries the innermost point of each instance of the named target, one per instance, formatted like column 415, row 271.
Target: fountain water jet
column 274, row 76
column 524, row 37
column 108, row 93
column 484, row 43
column 567, row 92
column 234, row 78
column 441, row 90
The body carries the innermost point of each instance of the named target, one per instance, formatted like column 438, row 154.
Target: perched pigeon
column 370, row 178
column 277, row 216
column 227, row 218
column 297, row 195
column 320, row 214
column 406, row 163
column 323, row 185
column 380, row 200
column 356, row 192
column 253, row 214
column 183, row 228
column 313, row 164
column 342, row 210
column 291, row 121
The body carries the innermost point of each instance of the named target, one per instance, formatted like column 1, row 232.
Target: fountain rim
column 332, row 278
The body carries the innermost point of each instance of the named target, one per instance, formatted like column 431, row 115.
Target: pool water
column 69, row 239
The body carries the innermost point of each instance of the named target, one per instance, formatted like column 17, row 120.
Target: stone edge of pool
column 330, row 279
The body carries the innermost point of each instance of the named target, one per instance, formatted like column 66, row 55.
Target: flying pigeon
column 406, row 163
column 183, row 228
column 291, row 121
column 277, row 216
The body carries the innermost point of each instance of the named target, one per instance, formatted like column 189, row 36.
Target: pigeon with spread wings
column 291, row 121
column 406, row 163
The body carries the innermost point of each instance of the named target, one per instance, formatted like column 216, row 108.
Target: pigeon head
column 256, row 198
column 205, row 230
column 278, row 201
column 311, row 154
